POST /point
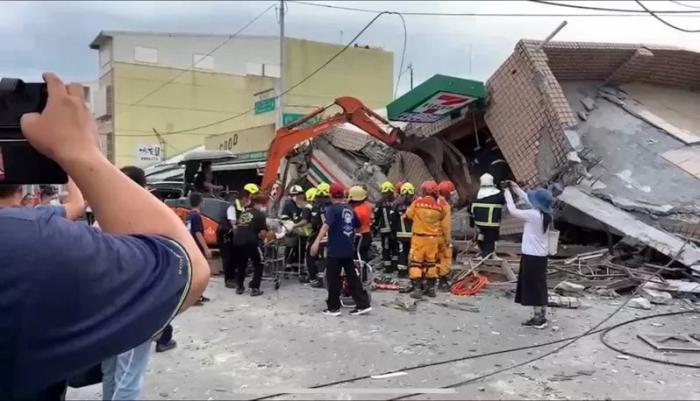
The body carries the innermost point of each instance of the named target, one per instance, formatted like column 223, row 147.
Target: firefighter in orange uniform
column 430, row 221
column 445, row 190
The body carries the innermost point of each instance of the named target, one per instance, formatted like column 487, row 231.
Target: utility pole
column 282, row 80
column 410, row 69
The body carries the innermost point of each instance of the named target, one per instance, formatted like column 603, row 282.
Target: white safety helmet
column 296, row 190
column 486, row 180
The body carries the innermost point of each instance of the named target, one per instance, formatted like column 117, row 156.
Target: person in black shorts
column 251, row 228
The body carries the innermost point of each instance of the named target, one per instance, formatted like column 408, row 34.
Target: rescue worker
column 295, row 244
column 239, row 204
column 430, row 221
column 383, row 217
column 486, row 214
column 321, row 199
column 445, row 191
column 357, row 197
column 402, row 226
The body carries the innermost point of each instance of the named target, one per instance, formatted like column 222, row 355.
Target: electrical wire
column 296, row 85
column 684, row 5
column 631, row 13
column 605, row 332
column 194, row 63
column 580, row 7
column 663, row 21
column 475, row 356
column 403, row 53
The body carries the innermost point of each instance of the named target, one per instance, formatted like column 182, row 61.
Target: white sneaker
column 358, row 312
column 328, row 312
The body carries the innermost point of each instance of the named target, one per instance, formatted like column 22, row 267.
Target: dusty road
column 238, row 347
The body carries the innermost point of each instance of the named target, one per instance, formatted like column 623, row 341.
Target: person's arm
column 198, row 229
column 514, row 211
column 317, row 243
column 409, row 211
column 66, row 132
column 446, row 225
column 522, row 195
column 74, row 203
column 231, row 215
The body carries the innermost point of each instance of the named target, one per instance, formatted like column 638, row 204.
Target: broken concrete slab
column 655, row 296
column 668, row 244
column 639, row 303
column 681, row 134
column 588, row 103
column 568, row 287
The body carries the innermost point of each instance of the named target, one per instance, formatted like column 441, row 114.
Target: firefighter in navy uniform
column 383, row 216
column 402, row 226
column 321, row 199
column 486, row 214
column 226, row 231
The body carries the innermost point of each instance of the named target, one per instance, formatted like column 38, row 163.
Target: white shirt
column 231, row 214
column 535, row 241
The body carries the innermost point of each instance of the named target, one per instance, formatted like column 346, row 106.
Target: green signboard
column 436, row 99
column 288, row 118
column 265, row 105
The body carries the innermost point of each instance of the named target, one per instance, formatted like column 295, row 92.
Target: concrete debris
column 675, row 286
column 655, row 296
column 582, row 115
column 389, row 375
column 639, row 303
column 588, row 103
column 563, row 302
column 567, row 287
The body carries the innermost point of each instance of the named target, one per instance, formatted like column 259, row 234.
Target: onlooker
column 532, row 280
column 73, row 206
column 340, row 225
column 203, row 181
column 119, row 287
column 195, row 225
column 251, row 227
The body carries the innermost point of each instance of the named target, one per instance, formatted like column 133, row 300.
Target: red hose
column 469, row 285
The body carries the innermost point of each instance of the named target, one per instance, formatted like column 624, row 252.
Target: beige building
column 151, row 100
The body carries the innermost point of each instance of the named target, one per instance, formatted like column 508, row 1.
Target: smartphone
column 20, row 163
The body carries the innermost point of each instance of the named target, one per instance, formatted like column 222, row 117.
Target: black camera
column 20, row 163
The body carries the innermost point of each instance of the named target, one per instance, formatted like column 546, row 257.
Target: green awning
column 437, row 98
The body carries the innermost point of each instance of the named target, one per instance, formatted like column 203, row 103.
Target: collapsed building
column 612, row 129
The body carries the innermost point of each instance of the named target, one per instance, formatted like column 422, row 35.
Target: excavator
column 353, row 112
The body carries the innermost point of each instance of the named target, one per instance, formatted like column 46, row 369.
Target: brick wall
column 528, row 110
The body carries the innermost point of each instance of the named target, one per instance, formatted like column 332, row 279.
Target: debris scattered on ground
column 639, row 303
column 389, row 375
column 563, row 302
column 671, row 342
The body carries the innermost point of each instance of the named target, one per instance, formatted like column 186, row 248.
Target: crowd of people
column 97, row 296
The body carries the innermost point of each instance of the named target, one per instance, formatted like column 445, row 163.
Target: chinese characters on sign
column 149, row 153
column 435, row 108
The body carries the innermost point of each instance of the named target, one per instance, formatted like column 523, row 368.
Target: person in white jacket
column 532, row 279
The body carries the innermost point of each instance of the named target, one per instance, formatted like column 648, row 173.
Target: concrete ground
column 238, row 347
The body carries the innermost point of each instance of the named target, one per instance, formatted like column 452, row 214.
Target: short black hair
column 9, row 190
column 195, row 199
column 47, row 190
column 136, row 174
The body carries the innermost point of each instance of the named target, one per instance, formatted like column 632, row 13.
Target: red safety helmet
column 337, row 190
column 429, row 187
column 445, row 188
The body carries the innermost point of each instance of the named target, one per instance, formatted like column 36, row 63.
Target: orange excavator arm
column 354, row 112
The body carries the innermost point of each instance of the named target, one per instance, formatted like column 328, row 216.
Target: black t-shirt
column 292, row 211
column 248, row 227
column 199, row 181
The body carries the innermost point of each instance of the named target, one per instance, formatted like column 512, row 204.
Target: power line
column 663, row 21
column 296, row 85
column 684, row 5
column 194, row 63
column 403, row 53
column 630, row 13
column 552, row 3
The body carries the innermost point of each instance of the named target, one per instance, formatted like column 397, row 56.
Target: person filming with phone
column 71, row 295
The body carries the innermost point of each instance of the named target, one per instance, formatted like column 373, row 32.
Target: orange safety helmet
column 429, row 187
column 445, row 188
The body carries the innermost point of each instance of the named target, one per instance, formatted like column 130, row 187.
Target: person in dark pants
column 341, row 223
column 322, row 199
column 532, row 279
column 251, row 227
column 384, row 212
column 486, row 215
column 403, row 227
column 195, row 225
column 363, row 210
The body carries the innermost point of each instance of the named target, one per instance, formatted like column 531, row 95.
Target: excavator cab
column 214, row 205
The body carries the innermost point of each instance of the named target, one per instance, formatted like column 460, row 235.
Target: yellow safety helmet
column 311, row 194
column 357, row 193
column 388, row 187
column 408, row 189
column 252, row 189
column 323, row 189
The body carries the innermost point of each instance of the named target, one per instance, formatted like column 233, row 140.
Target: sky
column 55, row 35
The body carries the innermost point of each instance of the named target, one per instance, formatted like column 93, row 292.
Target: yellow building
column 150, row 96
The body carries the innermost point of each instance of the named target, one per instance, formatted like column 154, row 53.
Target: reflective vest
column 486, row 212
column 383, row 215
column 400, row 224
